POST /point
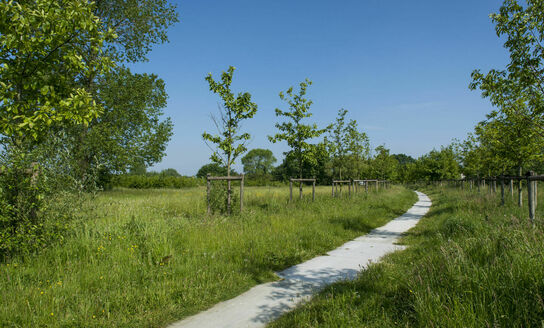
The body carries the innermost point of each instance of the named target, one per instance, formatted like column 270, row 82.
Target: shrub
column 155, row 181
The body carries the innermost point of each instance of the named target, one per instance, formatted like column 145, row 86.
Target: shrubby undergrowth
column 155, row 181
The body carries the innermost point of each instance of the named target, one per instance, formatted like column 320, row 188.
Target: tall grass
column 143, row 258
column 472, row 263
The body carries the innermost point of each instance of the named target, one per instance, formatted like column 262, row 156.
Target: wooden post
column 520, row 196
column 208, row 186
column 531, row 196
column 536, row 194
column 242, row 194
column 511, row 185
column 366, row 187
column 349, row 189
column 377, row 187
column 228, row 197
column 313, row 190
column 502, row 190
column 290, row 190
column 332, row 192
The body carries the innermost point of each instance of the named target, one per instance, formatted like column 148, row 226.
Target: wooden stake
column 242, row 194
column 208, row 186
column 290, row 190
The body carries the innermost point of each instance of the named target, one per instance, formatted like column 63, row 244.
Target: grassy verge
column 472, row 263
column 143, row 258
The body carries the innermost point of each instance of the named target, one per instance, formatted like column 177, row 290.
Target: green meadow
column 471, row 263
column 145, row 258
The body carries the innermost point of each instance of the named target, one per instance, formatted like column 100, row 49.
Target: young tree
column 347, row 146
column 258, row 161
column 295, row 132
column 230, row 143
column 383, row 166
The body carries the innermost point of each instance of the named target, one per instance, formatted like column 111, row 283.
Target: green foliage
column 138, row 24
column 170, row 173
column 229, row 142
column 439, row 165
column 129, row 133
column 39, row 194
column 213, row 169
column 295, row 132
column 512, row 136
column 155, row 181
column 258, row 161
column 383, row 166
column 41, row 47
column 348, row 147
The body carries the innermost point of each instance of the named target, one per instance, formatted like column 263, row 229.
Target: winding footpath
column 265, row 303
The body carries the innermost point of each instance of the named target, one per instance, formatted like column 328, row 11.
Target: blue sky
column 401, row 68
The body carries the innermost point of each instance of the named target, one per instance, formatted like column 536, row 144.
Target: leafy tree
column 295, row 132
column 383, row 166
column 439, row 165
column 404, row 159
column 213, row 169
column 230, row 143
column 41, row 63
column 258, row 161
column 518, row 91
column 170, row 173
column 130, row 130
column 348, row 147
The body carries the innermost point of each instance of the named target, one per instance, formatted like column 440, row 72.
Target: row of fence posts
column 491, row 183
column 352, row 184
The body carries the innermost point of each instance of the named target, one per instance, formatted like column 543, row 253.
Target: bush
column 39, row 194
column 155, row 181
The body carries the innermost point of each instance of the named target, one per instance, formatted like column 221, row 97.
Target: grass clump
column 144, row 258
column 471, row 263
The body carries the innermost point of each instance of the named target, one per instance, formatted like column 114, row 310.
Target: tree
column 130, row 130
column 41, row 63
column 347, row 146
column 230, row 143
column 383, row 166
column 439, row 165
column 213, row 169
column 258, row 161
column 518, row 91
column 170, row 173
column 294, row 132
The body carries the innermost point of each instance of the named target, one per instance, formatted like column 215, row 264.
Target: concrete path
column 264, row 303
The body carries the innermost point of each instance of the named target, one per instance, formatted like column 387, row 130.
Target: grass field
column 471, row 263
column 146, row 258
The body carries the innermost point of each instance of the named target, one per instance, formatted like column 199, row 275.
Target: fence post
column 290, row 190
column 332, row 192
column 208, row 186
column 349, row 189
column 242, row 194
column 228, row 197
column 531, row 196
column 313, row 190
column 502, row 190
column 511, row 185
column 366, row 187
column 300, row 190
